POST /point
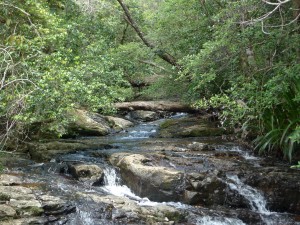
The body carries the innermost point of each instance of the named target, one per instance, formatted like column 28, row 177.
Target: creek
column 229, row 198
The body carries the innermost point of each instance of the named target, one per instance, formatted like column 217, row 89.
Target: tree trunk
column 161, row 53
column 154, row 106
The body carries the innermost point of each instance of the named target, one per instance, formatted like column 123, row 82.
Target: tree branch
column 161, row 53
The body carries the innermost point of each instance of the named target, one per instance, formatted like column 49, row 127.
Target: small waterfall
column 207, row 220
column 256, row 200
column 110, row 177
column 112, row 185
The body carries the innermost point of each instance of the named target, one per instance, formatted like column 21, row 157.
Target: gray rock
column 121, row 207
column 87, row 173
column 86, row 123
column 147, row 179
column 190, row 127
column 27, row 207
column 15, row 192
column 197, row 146
column 191, row 197
column 6, row 211
column 26, row 221
column 8, row 180
column 144, row 115
column 118, row 123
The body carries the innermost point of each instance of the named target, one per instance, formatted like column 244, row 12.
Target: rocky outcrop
column 154, row 106
column 87, row 123
column 190, row 127
column 47, row 150
column 128, row 211
column 87, row 173
column 144, row 116
column 280, row 188
column 118, row 123
column 21, row 205
column 205, row 189
column 146, row 178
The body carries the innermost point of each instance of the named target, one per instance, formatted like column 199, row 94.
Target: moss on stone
column 176, row 216
column 4, row 197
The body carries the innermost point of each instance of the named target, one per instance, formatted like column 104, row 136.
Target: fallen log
column 154, row 106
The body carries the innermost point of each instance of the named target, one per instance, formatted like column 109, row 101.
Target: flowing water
column 139, row 139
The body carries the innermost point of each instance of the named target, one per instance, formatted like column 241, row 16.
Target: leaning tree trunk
column 159, row 52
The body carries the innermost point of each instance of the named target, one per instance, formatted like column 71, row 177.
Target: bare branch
column 159, row 52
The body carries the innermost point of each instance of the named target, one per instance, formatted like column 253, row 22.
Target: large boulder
column 129, row 211
column 9, row 180
column 118, row 123
column 147, row 179
column 281, row 188
column 7, row 212
column 89, row 173
column 22, row 205
column 190, row 127
column 89, row 124
column 21, row 199
column 145, row 116
column 47, row 150
column 205, row 189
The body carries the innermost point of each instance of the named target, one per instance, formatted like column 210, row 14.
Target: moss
column 167, row 124
column 34, row 210
column 202, row 131
column 176, row 216
column 4, row 197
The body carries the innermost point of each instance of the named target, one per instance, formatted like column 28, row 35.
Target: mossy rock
column 4, row 197
column 190, row 127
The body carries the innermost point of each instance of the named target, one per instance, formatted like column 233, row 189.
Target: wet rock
column 124, row 209
column 26, row 221
column 118, row 123
column 190, row 127
column 197, row 146
column 92, row 174
column 6, row 212
column 281, row 188
column 145, row 116
column 30, row 207
column 45, row 151
column 55, row 206
column 16, row 193
column 21, row 199
column 191, row 197
column 147, row 179
column 9, row 180
column 87, row 123
column 206, row 189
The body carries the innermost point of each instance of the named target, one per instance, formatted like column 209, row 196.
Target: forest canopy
column 241, row 58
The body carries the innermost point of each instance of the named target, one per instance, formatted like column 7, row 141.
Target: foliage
column 251, row 71
column 239, row 57
column 56, row 57
column 296, row 166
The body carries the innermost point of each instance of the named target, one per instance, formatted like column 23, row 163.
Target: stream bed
column 221, row 183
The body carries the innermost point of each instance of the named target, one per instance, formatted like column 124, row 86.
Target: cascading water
column 207, row 220
column 177, row 156
column 112, row 185
column 256, row 200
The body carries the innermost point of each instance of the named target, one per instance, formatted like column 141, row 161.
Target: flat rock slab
column 130, row 210
column 190, row 127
